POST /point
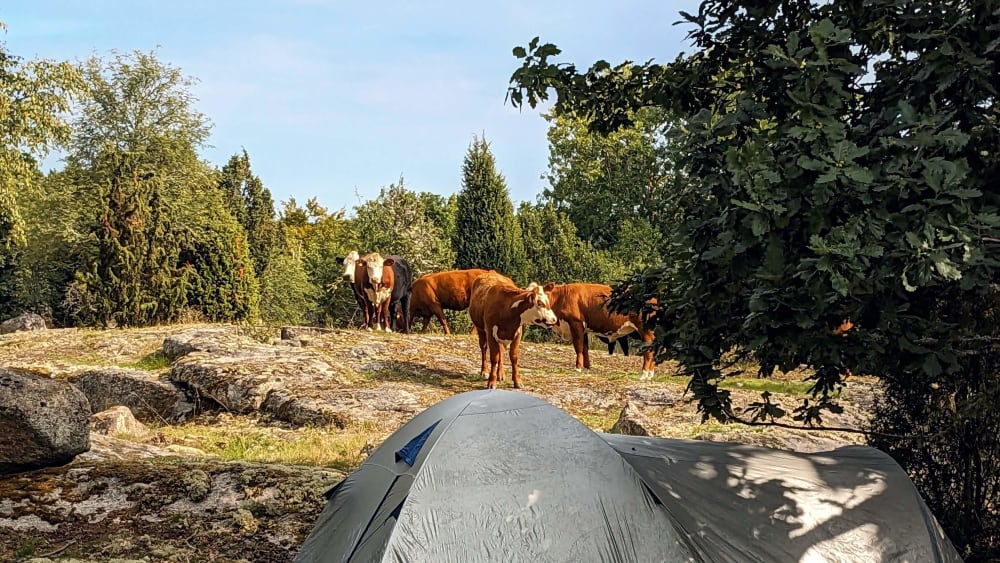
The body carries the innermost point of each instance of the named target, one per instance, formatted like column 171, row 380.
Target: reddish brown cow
column 433, row 293
column 582, row 308
column 499, row 309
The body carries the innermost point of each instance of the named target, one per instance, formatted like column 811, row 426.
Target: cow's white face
column 373, row 263
column 540, row 312
column 350, row 261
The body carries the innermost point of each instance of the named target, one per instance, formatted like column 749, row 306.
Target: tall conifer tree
column 487, row 234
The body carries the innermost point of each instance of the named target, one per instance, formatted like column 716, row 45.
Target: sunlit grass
column 324, row 447
column 154, row 361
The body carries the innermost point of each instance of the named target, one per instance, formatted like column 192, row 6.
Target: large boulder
column 295, row 385
column 22, row 322
column 43, row 422
column 149, row 398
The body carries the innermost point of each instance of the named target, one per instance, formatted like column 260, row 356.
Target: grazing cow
column 582, row 308
column 350, row 267
column 499, row 309
column 433, row 293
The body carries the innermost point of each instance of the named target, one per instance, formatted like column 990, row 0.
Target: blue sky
column 335, row 99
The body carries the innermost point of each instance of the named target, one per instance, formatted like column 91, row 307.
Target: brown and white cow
column 499, row 310
column 375, row 282
column 582, row 308
column 350, row 263
column 432, row 293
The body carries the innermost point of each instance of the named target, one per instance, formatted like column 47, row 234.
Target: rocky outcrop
column 295, row 385
column 219, row 340
column 23, row 322
column 118, row 421
column 163, row 510
column 43, row 422
column 150, row 399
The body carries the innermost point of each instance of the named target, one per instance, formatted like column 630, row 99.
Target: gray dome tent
column 504, row 476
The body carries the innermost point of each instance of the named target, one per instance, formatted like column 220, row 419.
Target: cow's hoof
column 368, row 328
column 646, row 375
column 388, row 330
column 579, row 369
column 491, row 385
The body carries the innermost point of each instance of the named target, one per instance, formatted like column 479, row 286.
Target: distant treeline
column 136, row 229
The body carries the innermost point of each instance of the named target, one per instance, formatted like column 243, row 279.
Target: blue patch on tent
column 408, row 453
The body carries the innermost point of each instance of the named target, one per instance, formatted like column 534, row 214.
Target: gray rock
column 150, row 399
column 216, row 340
column 22, row 322
column 117, row 420
column 631, row 422
column 655, row 397
column 43, row 422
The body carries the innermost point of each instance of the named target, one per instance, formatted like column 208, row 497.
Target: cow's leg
column 383, row 314
column 578, row 335
column 427, row 323
column 586, row 350
column 405, row 304
column 515, row 353
column 496, row 368
column 439, row 313
column 648, row 366
column 482, row 352
column 370, row 313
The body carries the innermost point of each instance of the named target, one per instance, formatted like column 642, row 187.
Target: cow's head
column 373, row 263
column 539, row 311
column 349, row 261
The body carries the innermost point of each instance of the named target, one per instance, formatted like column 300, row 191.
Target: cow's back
column 587, row 303
column 403, row 276
column 481, row 295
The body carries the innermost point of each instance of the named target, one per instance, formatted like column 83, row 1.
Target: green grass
column 772, row 385
column 27, row 549
column 154, row 361
column 325, row 447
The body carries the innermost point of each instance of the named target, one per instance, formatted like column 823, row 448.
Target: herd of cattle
column 390, row 299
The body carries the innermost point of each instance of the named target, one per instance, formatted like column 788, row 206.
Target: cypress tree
column 487, row 234
column 252, row 205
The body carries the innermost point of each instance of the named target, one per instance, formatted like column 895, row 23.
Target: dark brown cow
column 582, row 308
column 433, row 293
column 499, row 309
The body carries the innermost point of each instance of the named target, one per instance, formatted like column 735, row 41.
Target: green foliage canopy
column 841, row 162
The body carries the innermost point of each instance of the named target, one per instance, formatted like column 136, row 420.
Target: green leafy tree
column 612, row 184
column 57, row 219
column 135, row 143
column 252, row 205
column 841, row 163
column 487, row 234
column 314, row 239
column 34, row 99
column 396, row 222
column 559, row 255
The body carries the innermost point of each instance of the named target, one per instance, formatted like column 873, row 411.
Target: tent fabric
column 496, row 475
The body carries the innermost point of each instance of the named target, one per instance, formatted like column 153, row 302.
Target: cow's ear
column 388, row 262
column 549, row 286
column 341, row 259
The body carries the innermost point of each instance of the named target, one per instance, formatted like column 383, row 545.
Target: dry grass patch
column 243, row 439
